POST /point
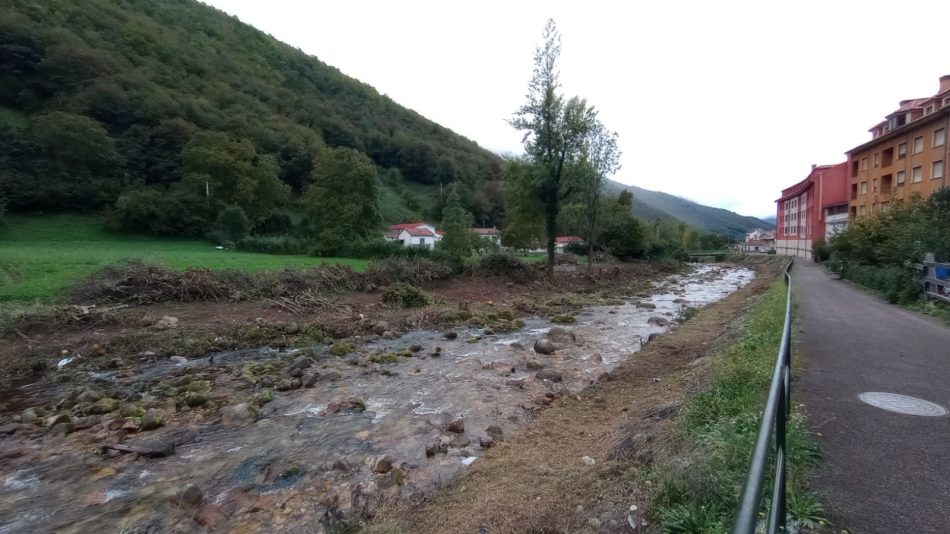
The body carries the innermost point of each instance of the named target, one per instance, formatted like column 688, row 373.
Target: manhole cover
column 893, row 402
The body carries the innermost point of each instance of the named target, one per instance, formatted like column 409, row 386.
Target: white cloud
column 724, row 103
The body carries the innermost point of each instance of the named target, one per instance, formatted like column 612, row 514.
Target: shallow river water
column 300, row 463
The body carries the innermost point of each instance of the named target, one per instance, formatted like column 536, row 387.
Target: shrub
column 160, row 212
column 405, row 295
column 412, row 271
column 820, row 251
column 897, row 283
column 502, row 264
column 274, row 244
column 279, row 222
column 576, row 247
column 231, row 224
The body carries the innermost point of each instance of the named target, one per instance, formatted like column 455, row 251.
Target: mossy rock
column 194, row 399
column 563, row 319
column 103, row 406
column 341, row 348
column 131, row 410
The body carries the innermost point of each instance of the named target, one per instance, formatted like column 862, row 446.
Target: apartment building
column 907, row 154
column 812, row 209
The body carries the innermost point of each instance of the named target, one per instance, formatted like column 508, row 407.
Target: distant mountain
column 770, row 219
column 651, row 205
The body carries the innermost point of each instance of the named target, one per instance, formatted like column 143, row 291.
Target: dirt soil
column 584, row 461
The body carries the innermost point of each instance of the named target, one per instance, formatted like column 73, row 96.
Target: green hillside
column 651, row 205
column 99, row 97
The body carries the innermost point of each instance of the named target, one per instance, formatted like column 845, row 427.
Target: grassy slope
column 40, row 257
column 701, row 478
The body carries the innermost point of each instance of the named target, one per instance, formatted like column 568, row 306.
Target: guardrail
column 774, row 418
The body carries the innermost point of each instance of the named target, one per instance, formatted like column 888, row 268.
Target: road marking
column 902, row 404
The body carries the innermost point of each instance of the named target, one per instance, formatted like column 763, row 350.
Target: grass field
column 42, row 256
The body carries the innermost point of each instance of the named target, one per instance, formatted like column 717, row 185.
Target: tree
column 524, row 227
column 232, row 224
column 457, row 223
column 342, row 199
column 600, row 158
column 555, row 133
column 621, row 234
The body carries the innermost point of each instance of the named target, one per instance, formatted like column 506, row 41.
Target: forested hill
column 101, row 96
column 651, row 205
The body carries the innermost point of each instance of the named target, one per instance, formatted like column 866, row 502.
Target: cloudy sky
column 724, row 103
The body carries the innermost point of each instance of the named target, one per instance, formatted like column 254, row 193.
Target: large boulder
column 559, row 334
column 544, row 346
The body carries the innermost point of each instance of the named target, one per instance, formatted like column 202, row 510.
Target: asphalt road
column 883, row 472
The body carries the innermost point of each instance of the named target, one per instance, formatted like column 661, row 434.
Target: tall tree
column 554, row 133
column 600, row 159
column 342, row 200
column 457, row 223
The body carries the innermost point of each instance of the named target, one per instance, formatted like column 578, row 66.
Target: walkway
column 883, row 472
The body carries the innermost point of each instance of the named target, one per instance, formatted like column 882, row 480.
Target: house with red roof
column 488, row 234
column 562, row 241
column 414, row 234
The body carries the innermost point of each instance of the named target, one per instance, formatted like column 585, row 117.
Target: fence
column 774, row 418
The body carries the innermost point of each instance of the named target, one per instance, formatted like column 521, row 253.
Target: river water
column 301, row 462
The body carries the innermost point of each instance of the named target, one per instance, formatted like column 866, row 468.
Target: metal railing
column 774, row 418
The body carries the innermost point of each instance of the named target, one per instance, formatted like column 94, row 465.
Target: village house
column 414, row 234
column 758, row 242
column 562, row 241
column 489, row 234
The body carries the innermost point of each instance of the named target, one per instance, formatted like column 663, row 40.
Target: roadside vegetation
column 880, row 251
column 698, row 480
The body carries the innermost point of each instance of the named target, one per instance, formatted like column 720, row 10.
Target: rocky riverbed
column 266, row 440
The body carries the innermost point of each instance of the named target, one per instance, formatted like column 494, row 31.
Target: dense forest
column 168, row 112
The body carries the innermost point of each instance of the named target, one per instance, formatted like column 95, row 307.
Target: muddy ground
column 94, row 400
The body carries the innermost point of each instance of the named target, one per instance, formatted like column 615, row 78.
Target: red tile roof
column 486, row 231
column 568, row 239
column 420, row 232
column 407, row 226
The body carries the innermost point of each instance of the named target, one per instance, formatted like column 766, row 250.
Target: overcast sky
column 724, row 102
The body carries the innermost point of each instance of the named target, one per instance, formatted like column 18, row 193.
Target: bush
column 275, row 244
column 231, row 225
column 898, row 284
column 412, row 271
column 502, row 264
column 160, row 212
column 278, row 223
column 820, row 251
column 405, row 295
column 576, row 247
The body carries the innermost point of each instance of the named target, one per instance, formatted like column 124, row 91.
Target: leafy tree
column 174, row 212
column 457, row 223
column 621, row 234
column 342, row 200
column 232, row 224
column 230, row 172
column 599, row 159
column 555, row 134
column 524, row 227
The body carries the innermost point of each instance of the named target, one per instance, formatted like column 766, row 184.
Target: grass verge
column 42, row 256
column 698, row 481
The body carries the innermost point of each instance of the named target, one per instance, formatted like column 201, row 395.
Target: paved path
column 883, row 472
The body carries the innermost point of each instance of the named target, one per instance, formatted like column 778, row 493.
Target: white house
column 490, row 234
column 414, row 234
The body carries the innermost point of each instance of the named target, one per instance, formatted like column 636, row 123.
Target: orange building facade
column 908, row 154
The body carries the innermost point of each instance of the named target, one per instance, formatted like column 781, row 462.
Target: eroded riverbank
column 389, row 418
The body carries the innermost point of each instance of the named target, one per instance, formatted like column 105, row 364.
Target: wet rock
column 238, row 414
column 451, row 334
column 342, row 465
column 155, row 448
column 652, row 337
column 295, row 383
column 191, row 496
column 148, row 354
column 284, row 385
column 194, row 399
column 383, row 464
column 310, row 380
column 495, row 432
column 559, row 334
column 548, row 374
column 209, row 516
column 62, row 429
column 659, row 321
column 486, row 442
column 488, row 332
column 82, row 423
column 516, row 346
column 292, row 328
column 296, row 372
column 303, row 362
column 597, row 358
column 267, row 382
column 167, row 322
column 646, row 305
column 415, row 347
column 331, row 376
column 516, row 382
column 9, row 428
column 533, row 365
column 58, row 419
column 504, row 367
column 28, row 416
column 178, row 359
column 131, row 410
column 436, row 353
column 390, row 334
column 436, row 447
column 544, row 346
column 680, row 301
column 346, row 406
column 455, row 425
column 380, row 327
column 152, row 420
column 88, row 395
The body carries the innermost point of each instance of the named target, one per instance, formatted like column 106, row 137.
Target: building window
column 864, row 164
column 917, row 174
column 929, row 109
column 900, row 178
column 937, row 170
column 876, row 154
column 422, row 241
column 861, row 210
column 918, row 144
column 940, row 136
column 902, row 151
column 864, row 188
column 854, row 168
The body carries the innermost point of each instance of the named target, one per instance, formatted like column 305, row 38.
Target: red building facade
column 811, row 210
